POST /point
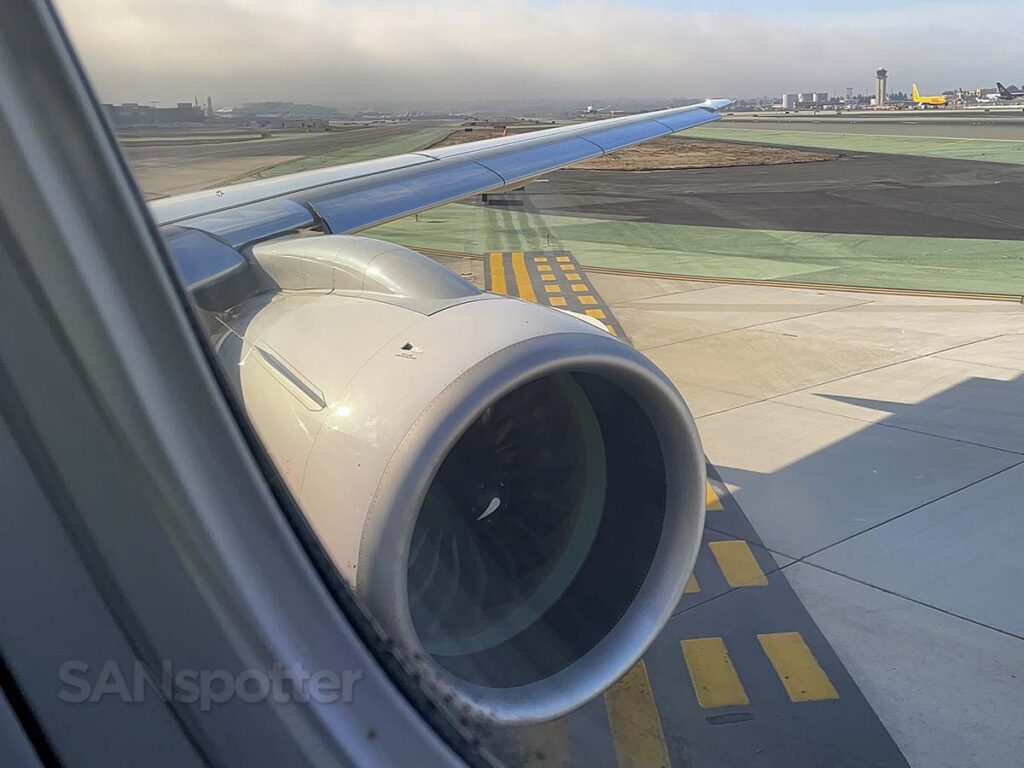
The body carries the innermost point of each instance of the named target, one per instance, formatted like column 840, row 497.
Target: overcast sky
column 341, row 52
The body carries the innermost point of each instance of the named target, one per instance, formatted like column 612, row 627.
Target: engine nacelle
column 516, row 495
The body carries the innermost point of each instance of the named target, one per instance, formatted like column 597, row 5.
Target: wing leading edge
column 203, row 228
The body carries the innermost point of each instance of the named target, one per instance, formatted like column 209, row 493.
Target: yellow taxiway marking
column 738, row 564
column 547, row 278
column 523, row 277
column 557, row 301
column 498, row 284
column 714, row 504
column 598, row 313
column 545, row 745
column 562, row 259
column 800, row 673
column 567, row 267
column 572, row 276
column 544, row 268
column 588, row 300
column 552, row 289
column 540, row 259
column 610, row 329
column 634, row 721
column 711, row 671
column 580, row 288
column 691, row 585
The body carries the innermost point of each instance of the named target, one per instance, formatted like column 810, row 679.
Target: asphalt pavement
column 870, row 194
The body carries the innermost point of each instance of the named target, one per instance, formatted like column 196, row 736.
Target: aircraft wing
column 206, row 230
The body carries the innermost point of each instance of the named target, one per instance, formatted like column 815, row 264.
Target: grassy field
column 991, row 150
column 371, row 150
column 944, row 264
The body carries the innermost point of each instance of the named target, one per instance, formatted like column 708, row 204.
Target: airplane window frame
column 101, row 285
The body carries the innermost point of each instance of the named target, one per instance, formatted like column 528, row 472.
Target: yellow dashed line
column 738, row 564
column 523, row 277
column 713, row 502
column 634, row 721
column 545, row 745
column 498, row 284
column 711, row 671
column 610, row 329
column 800, row 673
column 633, row 716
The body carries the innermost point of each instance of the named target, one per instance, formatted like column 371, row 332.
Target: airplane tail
column 917, row 96
column 1003, row 92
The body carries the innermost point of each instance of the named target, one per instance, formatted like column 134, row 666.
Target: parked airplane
column 1008, row 94
column 927, row 101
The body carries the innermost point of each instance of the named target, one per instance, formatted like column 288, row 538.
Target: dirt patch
column 670, row 153
column 161, row 179
column 467, row 134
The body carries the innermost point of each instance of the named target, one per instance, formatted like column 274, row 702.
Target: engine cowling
column 515, row 495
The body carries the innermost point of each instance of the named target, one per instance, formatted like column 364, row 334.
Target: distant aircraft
column 927, row 101
column 1008, row 94
column 592, row 110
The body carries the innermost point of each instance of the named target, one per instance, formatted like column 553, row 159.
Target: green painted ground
column 370, row 151
column 995, row 151
column 945, row 264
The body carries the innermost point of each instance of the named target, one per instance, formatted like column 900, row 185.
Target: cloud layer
column 338, row 52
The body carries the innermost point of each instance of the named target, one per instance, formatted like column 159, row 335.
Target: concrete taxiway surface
column 875, row 441
column 741, row 675
column 871, row 453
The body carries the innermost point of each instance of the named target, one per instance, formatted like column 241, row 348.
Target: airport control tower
column 881, row 74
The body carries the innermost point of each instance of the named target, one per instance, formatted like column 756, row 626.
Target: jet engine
column 515, row 495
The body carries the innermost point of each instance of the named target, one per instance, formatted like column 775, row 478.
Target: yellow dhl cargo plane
column 928, row 101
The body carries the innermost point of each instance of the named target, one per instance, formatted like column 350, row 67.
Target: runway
column 176, row 168
column 859, row 194
column 281, row 144
column 984, row 140
column 997, row 126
